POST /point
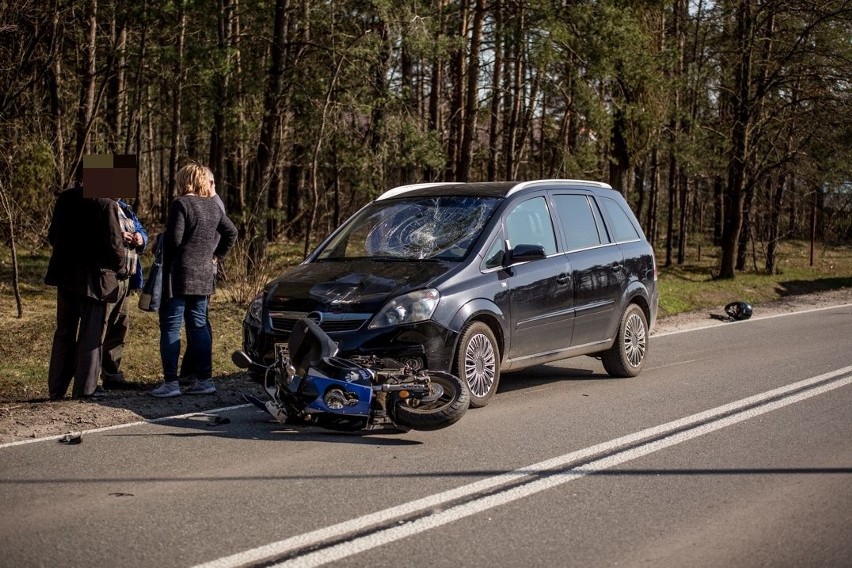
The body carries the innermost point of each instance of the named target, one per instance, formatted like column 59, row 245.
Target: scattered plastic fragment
column 72, row 438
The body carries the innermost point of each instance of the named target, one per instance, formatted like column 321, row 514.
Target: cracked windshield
column 440, row 228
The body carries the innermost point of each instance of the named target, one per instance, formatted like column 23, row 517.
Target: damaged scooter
column 308, row 384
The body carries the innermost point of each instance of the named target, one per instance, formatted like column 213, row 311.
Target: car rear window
column 622, row 228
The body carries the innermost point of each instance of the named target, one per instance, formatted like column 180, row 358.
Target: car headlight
column 408, row 308
column 254, row 314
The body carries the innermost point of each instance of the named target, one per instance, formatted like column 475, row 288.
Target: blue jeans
column 193, row 311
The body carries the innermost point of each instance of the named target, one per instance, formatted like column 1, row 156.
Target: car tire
column 478, row 362
column 627, row 355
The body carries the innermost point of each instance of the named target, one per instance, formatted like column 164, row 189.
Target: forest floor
column 38, row 418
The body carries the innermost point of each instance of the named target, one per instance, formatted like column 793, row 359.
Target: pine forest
column 726, row 123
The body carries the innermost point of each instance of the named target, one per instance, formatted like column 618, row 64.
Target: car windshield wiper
column 380, row 258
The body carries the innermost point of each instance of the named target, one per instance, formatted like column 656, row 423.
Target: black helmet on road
column 738, row 310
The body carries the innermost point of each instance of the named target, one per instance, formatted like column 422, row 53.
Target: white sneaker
column 201, row 387
column 168, row 389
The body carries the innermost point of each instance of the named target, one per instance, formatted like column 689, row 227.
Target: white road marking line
column 386, row 536
column 678, row 431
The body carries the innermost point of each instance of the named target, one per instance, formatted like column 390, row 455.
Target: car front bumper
column 431, row 344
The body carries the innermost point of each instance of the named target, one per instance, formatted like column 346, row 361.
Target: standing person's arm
column 215, row 197
column 113, row 252
column 140, row 235
column 175, row 226
column 137, row 226
column 59, row 219
column 172, row 238
column 228, row 233
column 55, row 221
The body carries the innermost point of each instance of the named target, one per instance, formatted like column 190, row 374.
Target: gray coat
column 197, row 230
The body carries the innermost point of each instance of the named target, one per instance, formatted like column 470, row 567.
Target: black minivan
column 475, row 279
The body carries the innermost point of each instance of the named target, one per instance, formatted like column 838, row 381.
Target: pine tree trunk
column 13, row 250
column 116, row 93
column 54, row 84
column 268, row 145
column 457, row 108
column 436, row 90
column 740, row 147
column 85, row 109
column 777, row 199
column 235, row 159
column 513, row 87
column 653, row 198
column 496, row 95
column 472, row 94
column 174, row 147
column 683, row 218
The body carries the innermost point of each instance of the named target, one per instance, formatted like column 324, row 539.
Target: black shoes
column 120, row 384
column 99, row 394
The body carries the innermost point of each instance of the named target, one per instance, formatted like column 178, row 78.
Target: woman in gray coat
column 190, row 254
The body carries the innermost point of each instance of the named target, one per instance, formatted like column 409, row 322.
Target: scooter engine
column 336, row 399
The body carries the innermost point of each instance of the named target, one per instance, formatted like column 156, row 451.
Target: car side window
column 622, row 228
column 529, row 224
column 578, row 221
column 495, row 254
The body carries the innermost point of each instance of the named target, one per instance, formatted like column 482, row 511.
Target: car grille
column 331, row 323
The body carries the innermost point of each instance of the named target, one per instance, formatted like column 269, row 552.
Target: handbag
column 152, row 291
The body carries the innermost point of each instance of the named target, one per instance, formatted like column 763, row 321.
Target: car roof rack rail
column 575, row 182
column 411, row 187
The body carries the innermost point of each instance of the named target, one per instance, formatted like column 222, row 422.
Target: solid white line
column 435, row 501
column 127, row 425
column 751, row 320
column 381, row 538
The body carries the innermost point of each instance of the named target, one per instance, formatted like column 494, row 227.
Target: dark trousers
column 118, row 323
column 76, row 351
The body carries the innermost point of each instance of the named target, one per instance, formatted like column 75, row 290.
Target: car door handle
column 563, row 279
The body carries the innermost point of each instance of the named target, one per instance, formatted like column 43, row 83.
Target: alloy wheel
column 635, row 340
column 479, row 364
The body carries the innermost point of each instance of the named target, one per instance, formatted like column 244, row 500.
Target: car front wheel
column 627, row 355
column 478, row 363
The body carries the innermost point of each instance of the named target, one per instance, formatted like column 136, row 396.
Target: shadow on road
column 801, row 287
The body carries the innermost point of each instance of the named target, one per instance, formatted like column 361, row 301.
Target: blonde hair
column 192, row 180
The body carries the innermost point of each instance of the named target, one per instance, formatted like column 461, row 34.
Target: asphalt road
column 733, row 448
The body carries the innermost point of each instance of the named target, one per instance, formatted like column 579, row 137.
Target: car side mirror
column 525, row 253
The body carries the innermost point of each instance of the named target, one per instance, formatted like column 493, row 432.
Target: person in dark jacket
column 190, row 254
column 85, row 265
column 135, row 238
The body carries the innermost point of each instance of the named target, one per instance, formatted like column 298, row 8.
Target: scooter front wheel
column 445, row 410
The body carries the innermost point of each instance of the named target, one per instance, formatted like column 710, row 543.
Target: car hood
column 350, row 286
